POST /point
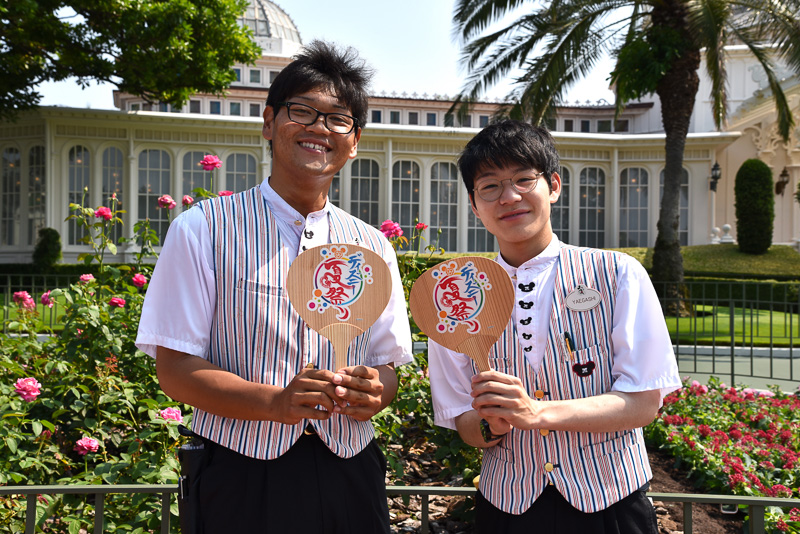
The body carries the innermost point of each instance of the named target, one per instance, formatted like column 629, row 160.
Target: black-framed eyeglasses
column 491, row 189
column 307, row 115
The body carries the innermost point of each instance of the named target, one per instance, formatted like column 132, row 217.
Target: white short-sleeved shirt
column 181, row 298
column 643, row 357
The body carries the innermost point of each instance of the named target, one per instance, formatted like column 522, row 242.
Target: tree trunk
column 677, row 91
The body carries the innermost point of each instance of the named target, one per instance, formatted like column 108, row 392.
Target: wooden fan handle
column 477, row 347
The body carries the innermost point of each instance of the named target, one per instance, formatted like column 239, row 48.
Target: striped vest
column 591, row 470
column 256, row 333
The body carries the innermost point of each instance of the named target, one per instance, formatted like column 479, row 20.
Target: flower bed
column 735, row 441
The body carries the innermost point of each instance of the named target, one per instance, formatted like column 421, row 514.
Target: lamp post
column 716, row 174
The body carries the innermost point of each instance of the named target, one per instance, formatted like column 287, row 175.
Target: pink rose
column 171, row 414
column 103, row 212
column 166, row 201
column 139, row 280
column 116, row 301
column 46, row 300
column 391, row 229
column 27, row 388
column 28, row 304
column 87, row 277
column 21, row 296
column 225, row 193
column 210, row 162
column 187, row 200
column 86, row 445
column 421, row 226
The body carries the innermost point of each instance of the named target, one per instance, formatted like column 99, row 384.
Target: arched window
column 154, row 175
column 37, row 193
column 79, row 170
column 194, row 176
column 444, row 206
column 10, row 199
column 633, row 207
column 240, row 170
column 405, row 195
column 113, row 168
column 478, row 238
column 365, row 190
column 592, row 208
column 683, row 213
column 559, row 212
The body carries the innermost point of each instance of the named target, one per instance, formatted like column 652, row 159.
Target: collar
column 283, row 211
column 536, row 264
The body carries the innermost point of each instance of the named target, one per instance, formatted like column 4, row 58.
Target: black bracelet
column 486, row 432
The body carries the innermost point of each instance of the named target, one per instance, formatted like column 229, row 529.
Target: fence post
column 687, row 517
column 732, row 321
column 30, row 513
column 424, row 528
column 99, row 501
column 756, row 519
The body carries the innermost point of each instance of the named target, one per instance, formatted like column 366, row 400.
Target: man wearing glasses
column 288, row 444
column 583, row 364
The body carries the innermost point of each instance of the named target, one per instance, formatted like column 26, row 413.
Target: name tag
column 583, row 298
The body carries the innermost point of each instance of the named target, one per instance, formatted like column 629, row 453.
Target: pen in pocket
column 570, row 345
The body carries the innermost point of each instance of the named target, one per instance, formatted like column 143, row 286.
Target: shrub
column 48, row 249
column 755, row 207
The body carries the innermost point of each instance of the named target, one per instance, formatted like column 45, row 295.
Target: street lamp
column 716, row 174
column 783, row 180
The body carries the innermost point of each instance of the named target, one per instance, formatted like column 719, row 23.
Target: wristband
column 486, row 432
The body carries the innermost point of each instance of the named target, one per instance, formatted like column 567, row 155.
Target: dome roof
column 266, row 19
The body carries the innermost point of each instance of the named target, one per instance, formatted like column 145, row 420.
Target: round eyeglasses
column 491, row 189
column 307, row 115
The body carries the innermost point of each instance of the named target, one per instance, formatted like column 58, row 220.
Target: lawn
column 712, row 325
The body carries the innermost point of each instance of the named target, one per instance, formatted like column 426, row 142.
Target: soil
column 451, row 515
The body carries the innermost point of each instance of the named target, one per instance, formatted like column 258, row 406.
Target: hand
column 501, row 399
column 359, row 392
column 300, row 398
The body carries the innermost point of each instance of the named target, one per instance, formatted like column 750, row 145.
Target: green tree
column 658, row 46
column 163, row 50
column 755, row 207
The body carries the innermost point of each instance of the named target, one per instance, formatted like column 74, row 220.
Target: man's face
column 517, row 219
column 304, row 151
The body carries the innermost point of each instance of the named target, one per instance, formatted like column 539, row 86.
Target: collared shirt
column 180, row 304
column 643, row 358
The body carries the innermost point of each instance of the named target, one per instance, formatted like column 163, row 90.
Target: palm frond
column 708, row 20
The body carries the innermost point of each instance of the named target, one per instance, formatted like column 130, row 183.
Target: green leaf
column 11, row 443
column 37, row 428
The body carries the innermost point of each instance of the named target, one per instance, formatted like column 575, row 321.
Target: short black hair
column 324, row 65
column 508, row 143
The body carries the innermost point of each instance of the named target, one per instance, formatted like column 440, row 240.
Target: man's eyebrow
column 493, row 171
column 312, row 101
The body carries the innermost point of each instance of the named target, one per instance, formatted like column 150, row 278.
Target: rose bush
column 736, row 441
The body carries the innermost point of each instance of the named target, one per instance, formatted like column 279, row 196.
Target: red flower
column 166, row 201
column 116, row 302
column 187, row 201
column 225, row 193
column 103, row 212
column 421, row 226
column 210, row 162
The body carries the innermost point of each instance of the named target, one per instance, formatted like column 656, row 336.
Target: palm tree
column 658, row 46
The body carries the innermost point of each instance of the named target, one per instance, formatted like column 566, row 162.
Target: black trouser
column 551, row 513
column 306, row 490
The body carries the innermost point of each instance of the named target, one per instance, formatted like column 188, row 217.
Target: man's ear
column 472, row 205
column 555, row 187
column 269, row 122
column 356, row 139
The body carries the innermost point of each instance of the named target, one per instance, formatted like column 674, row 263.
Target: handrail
column 757, row 505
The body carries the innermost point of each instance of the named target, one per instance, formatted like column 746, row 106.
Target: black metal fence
column 757, row 506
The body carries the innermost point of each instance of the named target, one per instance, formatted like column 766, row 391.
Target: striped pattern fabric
column 256, row 333
column 591, row 470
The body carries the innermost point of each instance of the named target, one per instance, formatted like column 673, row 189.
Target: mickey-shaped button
column 527, row 349
column 525, row 321
column 308, row 233
column 527, row 336
column 527, row 288
column 525, row 305
column 583, row 369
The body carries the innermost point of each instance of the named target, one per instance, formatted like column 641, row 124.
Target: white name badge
column 583, row 298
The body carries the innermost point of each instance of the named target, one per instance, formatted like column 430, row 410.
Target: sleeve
column 180, row 302
column 643, row 356
column 390, row 341
column 450, row 375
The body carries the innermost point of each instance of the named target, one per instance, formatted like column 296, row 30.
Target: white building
column 405, row 167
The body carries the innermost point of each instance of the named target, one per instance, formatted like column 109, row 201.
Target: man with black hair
column 289, row 446
column 584, row 363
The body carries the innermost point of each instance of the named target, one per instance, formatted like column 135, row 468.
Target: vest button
column 538, row 394
column 298, row 223
column 544, row 431
column 548, row 467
